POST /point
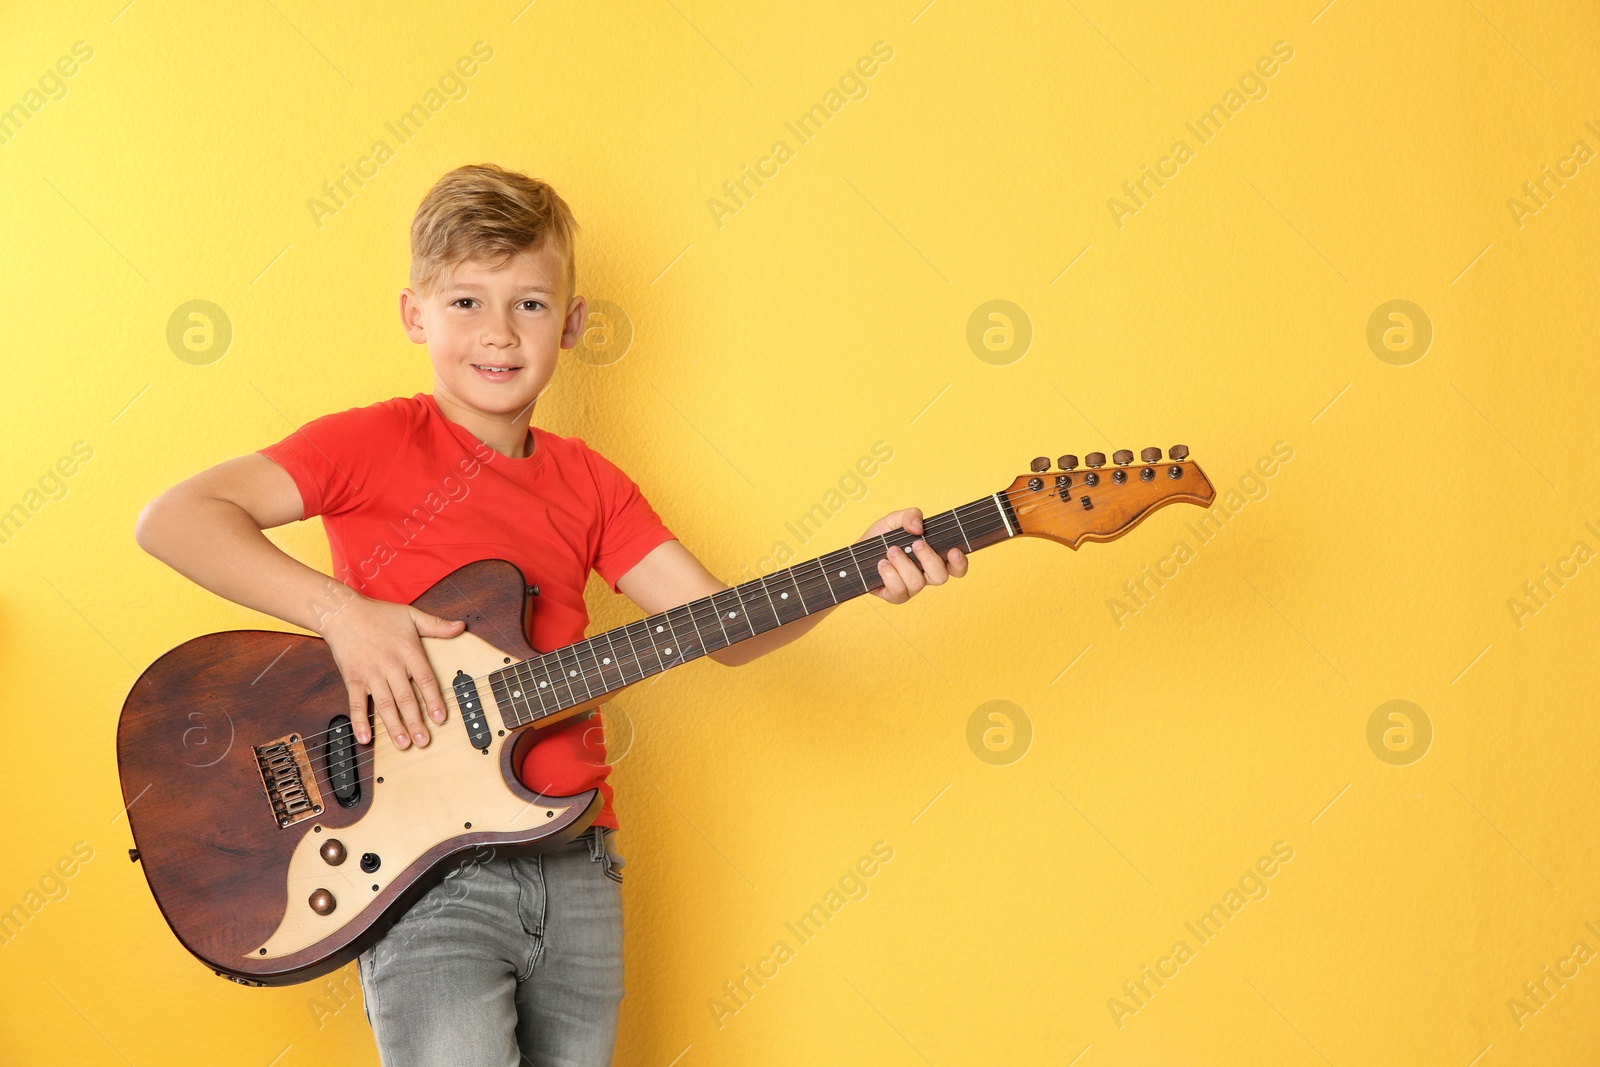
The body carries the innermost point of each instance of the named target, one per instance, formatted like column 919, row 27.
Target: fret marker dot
column 572, row 674
column 543, row 685
column 607, row 659
column 783, row 596
column 841, row 574
column 669, row 651
column 514, row 692
column 659, row 629
column 731, row 614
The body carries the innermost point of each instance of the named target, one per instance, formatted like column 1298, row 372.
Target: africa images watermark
column 1251, row 886
column 999, row 732
column 52, row 887
column 852, row 886
column 451, row 85
column 1537, row 993
column 852, row 85
column 406, row 527
column 1252, row 486
column 1399, row 732
column 52, row 86
column 50, row 486
column 1252, row 86
column 1538, row 591
column 851, row 486
column 1537, row 193
column 333, row 996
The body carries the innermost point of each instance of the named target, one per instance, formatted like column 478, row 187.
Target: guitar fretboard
column 590, row 669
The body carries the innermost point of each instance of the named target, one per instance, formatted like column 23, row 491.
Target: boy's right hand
column 377, row 648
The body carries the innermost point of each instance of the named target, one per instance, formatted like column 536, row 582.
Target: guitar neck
column 591, row 669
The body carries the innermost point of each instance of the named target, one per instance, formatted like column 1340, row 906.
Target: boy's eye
column 469, row 300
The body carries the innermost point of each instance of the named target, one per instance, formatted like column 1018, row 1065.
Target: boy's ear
column 572, row 328
column 411, row 316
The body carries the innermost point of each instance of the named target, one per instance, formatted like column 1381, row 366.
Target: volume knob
column 332, row 851
column 322, row 902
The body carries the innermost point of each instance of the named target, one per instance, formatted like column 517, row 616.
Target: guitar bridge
column 287, row 777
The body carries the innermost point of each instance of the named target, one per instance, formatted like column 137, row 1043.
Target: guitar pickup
column 471, row 707
column 341, row 756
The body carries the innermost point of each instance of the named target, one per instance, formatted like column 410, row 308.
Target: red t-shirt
column 407, row 496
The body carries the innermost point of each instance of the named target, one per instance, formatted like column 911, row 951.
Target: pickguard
column 427, row 797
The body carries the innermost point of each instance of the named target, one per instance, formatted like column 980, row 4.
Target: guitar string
column 702, row 617
column 933, row 528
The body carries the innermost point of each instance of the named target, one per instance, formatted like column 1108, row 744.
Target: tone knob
column 1095, row 459
column 1151, row 455
column 332, row 851
column 1042, row 463
column 1179, row 452
column 322, row 902
column 1122, row 457
column 1067, row 463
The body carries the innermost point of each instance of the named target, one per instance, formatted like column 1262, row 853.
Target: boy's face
column 493, row 334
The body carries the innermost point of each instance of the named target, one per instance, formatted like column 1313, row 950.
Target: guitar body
column 259, row 867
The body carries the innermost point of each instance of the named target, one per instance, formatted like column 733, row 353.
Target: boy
column 510, row 958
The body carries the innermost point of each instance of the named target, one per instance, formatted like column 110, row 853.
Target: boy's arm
column 209, row 529
column 670, row 575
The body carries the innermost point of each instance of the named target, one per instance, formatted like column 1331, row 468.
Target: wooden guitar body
column 274, row 888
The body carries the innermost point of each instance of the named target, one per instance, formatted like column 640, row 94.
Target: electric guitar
column 279, row 849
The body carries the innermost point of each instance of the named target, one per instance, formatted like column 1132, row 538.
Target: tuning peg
column 1151, row 455
column 1122, row 457
column 1095, row 459
column 1042, row 463
column 1067, row 463
column 1178, row 452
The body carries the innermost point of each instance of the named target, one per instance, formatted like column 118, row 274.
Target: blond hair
column 485, row 213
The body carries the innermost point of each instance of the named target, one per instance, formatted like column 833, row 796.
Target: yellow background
column 770, row 353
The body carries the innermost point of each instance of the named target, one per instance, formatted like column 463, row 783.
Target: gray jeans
column 507, row 961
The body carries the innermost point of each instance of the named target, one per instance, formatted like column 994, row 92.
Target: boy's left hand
column 902, row 578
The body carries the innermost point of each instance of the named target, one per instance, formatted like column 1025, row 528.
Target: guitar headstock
column 1096, row 502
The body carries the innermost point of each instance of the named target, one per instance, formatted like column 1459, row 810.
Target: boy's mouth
column 495, row 373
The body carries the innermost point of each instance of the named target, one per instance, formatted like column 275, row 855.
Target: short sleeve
column 339, row 460
column 629, row 526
